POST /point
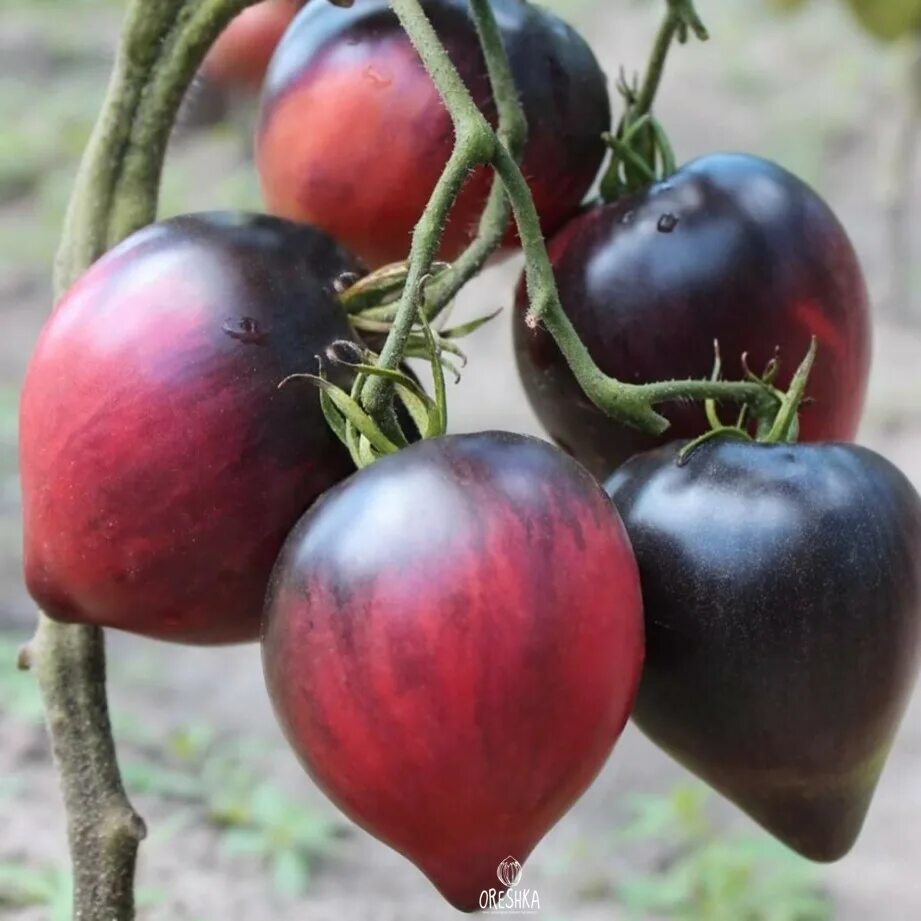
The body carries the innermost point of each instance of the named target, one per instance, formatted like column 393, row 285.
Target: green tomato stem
column 513, row 132
column 680, row 17
column 629, row 403
column 116, row 191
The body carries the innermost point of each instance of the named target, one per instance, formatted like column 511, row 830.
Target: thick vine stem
column 162, row 46
column 103, row 829
column 641, row 150
column 426, row 238
column 513, row 132
column 163, row 43
column 474, row 146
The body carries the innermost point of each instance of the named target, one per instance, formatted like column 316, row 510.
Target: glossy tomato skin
column 440, row 655
column 732, row 248
column 240, row 57
column 782, row 589
column 353, row 136
column 162, row 466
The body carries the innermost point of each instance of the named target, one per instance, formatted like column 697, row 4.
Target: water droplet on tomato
column 244, row 329
column 667, row 223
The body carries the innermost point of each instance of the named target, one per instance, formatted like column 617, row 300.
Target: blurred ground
column 809, row 92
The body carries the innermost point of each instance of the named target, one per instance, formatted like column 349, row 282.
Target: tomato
column 782, row 588
column 353, row 136
column 162, row 466
column 731, row 248
column 240, row 57
column 440, row 655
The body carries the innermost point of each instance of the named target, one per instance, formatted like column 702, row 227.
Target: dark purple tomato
column 353, row 135
column 731, row 248
column 452, row 643
column 162, row 466
column 782, row 592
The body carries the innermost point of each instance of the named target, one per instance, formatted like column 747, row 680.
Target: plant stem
column 86, row 225
column 681, row 15
column 104, row 831
column 474, row 140
column 136, row 192
column 513, row 132
column 426, row 239
column 491, row 232
column 116, row 192
column 513, row 127
column 630, row 403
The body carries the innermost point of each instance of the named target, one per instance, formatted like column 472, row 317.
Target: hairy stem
column 103, row 829
column 681, row 16
column 116, row 192
column 513, row 132
column 474, row 140
column 136, row 193
column 426, row 239
column 630, row 403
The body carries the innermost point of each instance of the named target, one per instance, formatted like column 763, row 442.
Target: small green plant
column 24, row 886
column 709, row 875
column 217, row 781
column 255, row 817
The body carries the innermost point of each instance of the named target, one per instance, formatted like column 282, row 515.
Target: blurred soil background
column 236, row 830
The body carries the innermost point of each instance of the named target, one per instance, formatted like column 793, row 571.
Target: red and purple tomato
column 162, row 466
column 353, row 135
column 453, row 641
column 730, row 248
column 240, row 57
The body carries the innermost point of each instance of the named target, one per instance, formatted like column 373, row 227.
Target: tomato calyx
column 371, row 303
column 641, row 152
column 776, row 417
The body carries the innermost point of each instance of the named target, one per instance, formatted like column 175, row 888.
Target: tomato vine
column 477, row 144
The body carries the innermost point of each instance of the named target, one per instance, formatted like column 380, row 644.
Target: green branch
column 162, row 46
column 513, row 132
column 629, row 403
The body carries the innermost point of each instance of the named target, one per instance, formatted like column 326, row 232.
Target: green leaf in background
column 885, row 19
column 888, row 19
column 710, row 875
column 290, row 874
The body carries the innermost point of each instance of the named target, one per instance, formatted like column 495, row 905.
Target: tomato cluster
column 454, row 636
